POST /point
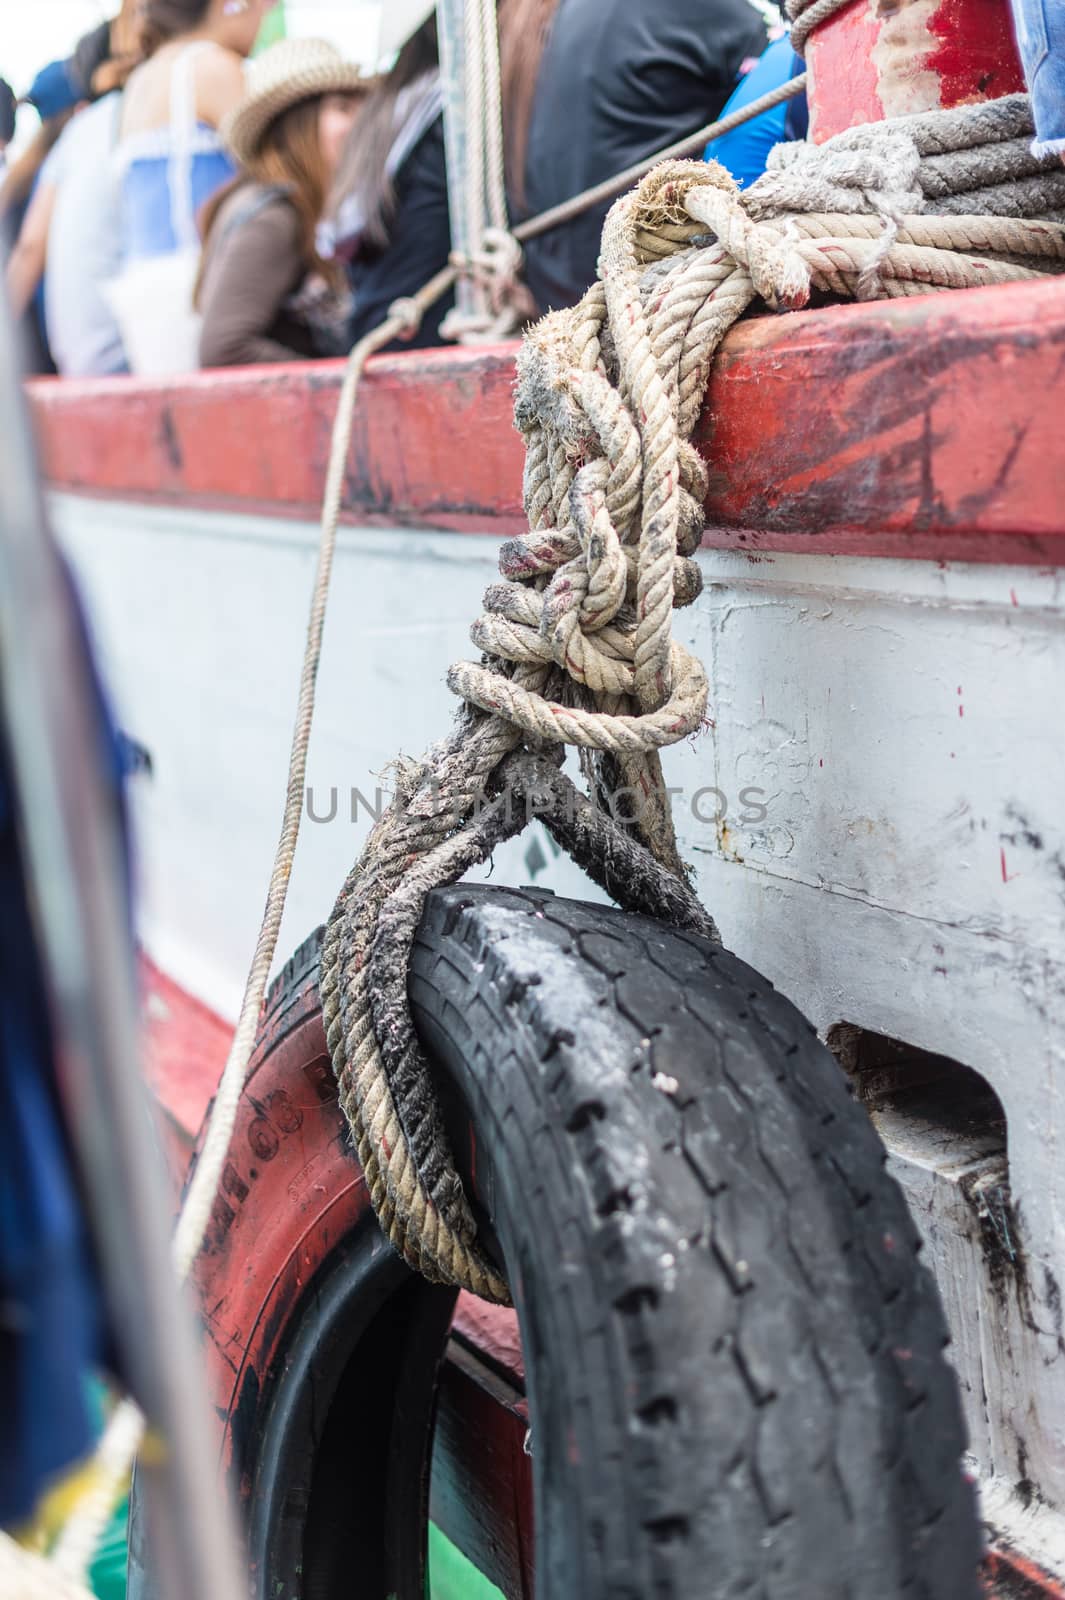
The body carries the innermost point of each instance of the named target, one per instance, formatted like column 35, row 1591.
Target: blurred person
column 589, row 87
column 105, row 57
column 55, row 91
column 171, row 160
column 92, row 50
column 745, row 150
column 265, row 292
column 390, row 209
column 25, row 207
column 70, row 234
column 7, row 120
column 54, row 95
column 592, row 86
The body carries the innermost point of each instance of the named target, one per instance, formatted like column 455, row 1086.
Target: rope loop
column 503, row 304
column 576, row 633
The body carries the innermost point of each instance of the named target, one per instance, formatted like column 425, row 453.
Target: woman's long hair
column 363, row 166
column 161, row 20
column 105, row 57
column 524, row 27
column 289, row 156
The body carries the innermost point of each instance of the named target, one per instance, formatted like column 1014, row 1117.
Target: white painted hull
column 901, row 722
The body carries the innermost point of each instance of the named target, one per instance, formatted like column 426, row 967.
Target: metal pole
column 451, row 33
column 73, row 851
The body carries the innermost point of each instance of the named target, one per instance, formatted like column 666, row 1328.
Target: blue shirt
column 1040, row 28
column 744, row 151
column 148, row 203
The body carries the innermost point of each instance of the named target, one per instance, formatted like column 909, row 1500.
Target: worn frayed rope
column 577, row 637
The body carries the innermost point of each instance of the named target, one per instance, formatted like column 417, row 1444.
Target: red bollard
column 885, row 58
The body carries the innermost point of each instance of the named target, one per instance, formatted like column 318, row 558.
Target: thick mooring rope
column 577, row 636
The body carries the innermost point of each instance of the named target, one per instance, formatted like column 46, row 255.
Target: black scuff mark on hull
column 171, row 443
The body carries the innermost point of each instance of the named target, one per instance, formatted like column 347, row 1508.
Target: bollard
column 886, row 58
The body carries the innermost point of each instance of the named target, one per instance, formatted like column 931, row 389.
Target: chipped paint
column 903, row 388
column 901, row 56
column 886, row 58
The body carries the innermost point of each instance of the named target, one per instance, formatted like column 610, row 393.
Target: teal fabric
column 107, row 1575
column 452, row 1576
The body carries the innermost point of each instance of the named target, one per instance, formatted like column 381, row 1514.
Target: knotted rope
column 24, row 1570
column 577, row 640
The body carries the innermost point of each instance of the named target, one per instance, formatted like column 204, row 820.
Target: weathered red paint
column 258, row 438
column 290, row 1141
column 871, row 61
column 924, row 427
column 842, row 83
column 912, row 432
column 185, row 1046
column 975, row 56
column 493, row 1332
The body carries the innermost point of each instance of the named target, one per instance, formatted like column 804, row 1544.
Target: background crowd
column 183, row 205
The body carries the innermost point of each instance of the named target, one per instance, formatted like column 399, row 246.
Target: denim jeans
column 1040, row 28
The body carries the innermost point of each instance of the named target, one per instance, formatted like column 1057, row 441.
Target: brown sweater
column 253, row 263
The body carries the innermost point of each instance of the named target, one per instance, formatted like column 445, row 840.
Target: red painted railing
column 927, row 427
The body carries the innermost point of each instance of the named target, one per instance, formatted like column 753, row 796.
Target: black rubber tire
column 331, row 1447
column 735, row 1358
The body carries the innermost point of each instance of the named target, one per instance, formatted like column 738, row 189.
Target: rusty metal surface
column 926, row 428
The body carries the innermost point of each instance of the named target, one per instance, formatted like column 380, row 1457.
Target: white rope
column 494, row 301
column 476, row 143
column 494, row 164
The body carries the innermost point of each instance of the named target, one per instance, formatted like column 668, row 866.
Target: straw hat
column 290, row 71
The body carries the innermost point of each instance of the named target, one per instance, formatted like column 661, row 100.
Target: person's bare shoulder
column 219, row 84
